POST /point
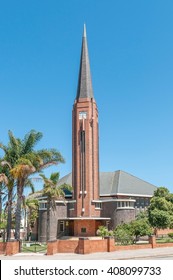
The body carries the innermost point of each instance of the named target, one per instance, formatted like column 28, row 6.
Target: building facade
column 106, row 198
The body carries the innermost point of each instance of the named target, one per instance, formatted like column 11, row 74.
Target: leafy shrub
column 170, row 235
column 123, row 234
column 102, row 231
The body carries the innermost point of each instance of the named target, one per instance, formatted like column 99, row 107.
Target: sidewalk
column 117, row 255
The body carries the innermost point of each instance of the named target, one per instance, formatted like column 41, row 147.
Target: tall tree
column 24, row 160
column 8, row 182
column 52, row 191
column 160, row 211
column 30, row 207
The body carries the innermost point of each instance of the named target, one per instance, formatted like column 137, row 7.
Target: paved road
column 143, row 254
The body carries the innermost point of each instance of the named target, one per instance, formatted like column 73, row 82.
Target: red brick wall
column 83, row 246
column 2, row 248
column 78, row 246
column 164, row 245
column 92, row 246
column 133, row 247
column 12, row 248
column 91, row 172
column 163, row 231
column 52, row 247
column 70, row 246
column 88, row 224
column 62, row 246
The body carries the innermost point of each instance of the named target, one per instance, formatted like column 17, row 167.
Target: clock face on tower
column 82, row 115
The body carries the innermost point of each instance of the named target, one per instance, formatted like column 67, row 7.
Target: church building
column 98, row 198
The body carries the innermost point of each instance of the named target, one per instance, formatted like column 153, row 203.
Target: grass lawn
column 34, row 247
column 164, row 240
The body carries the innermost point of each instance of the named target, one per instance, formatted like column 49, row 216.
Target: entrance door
column 71, row 228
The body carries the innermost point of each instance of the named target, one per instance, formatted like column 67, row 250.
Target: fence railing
column 33, row 247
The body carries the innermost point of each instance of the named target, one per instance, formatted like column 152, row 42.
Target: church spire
column 84, row 82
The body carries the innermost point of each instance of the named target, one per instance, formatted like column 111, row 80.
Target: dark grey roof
column 84, row 89
column 66, row 179
column 124, row 183
column 119, row 182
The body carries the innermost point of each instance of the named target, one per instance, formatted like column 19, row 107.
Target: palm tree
column 30, row 206
column 24, row 160
column 52, row 191
column 8, row 182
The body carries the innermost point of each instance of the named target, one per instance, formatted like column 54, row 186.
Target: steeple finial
column 84, row 30
column 84, row 83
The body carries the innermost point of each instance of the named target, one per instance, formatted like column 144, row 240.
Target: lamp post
column 1, row 193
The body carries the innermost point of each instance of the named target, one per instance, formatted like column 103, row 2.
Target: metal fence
column 33, row 247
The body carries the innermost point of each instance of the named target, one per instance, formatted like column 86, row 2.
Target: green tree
column 8, row 182
column 52, row 191
column 123, row 234
column 102, row 231
column 161, row 192
column 30, row 207
column 160, row 211
column 140, row 227
column 159, row 219
column 23, row 160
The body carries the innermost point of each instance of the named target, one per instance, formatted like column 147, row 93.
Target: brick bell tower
column 85, row 151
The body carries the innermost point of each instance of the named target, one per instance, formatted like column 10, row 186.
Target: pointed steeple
column 84, row 82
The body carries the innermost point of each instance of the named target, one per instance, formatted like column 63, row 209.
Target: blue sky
column 130, row 47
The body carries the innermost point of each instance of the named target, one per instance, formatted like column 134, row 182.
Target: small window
column 98, row 205
column 61, row 226
column 71, row 206
column 83, row 230
column 82, row 115
column 42, row 205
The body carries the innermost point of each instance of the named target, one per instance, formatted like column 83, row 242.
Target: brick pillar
column 110, row 243
column 84, row 245
column 12, row 247
column 52, row 247
column 152, row 241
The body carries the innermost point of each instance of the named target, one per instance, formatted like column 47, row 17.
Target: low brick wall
column 12, row 248
column 92, row 246
column 9, row 248
column 67, row 246
column 2, row 248
column 163, row 231
column 52, row 247
column 164, row 245
column 132, row 247
column 87, row 246
column 80, row 246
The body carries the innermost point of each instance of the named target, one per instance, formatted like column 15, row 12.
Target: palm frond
column 15, row 143
column 4, row 148
column 51, row 155
column 28, row 183
column 3, row 179
column 30, row 140
column 66, row 187
column 54, row 177
column 22, row 171
column 5, row 163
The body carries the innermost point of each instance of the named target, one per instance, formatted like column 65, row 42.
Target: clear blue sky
column 131, row 56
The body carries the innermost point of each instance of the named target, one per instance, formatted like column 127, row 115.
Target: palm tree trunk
column 18, row 212
column 0, row 207
column 25, row 224
column 9, row 215
column 48, row 221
